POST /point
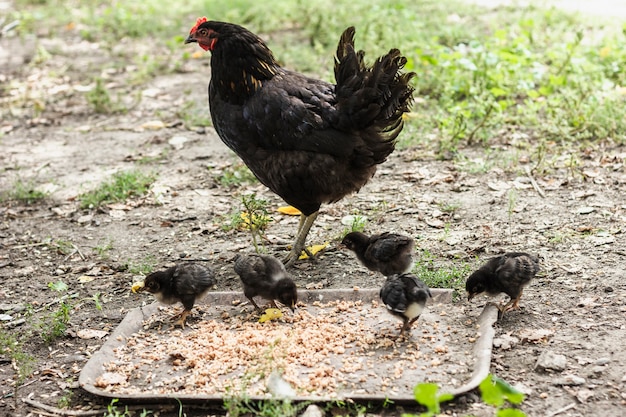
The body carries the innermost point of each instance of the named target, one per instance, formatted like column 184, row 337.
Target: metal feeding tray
column 342, row 344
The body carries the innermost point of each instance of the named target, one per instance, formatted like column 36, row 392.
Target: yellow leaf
column 137, row 286
column 313, row 249
column 197, row 55
column 605, row 51
column 256, row 219
column 289, row 210
column 270, row 314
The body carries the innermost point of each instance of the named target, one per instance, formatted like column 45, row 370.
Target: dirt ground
column 573, row 217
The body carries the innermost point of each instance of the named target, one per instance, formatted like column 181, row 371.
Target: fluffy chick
column 508, row 273
column 405, row 296
column 185, row 283
column 266, row 276
column 388, row 253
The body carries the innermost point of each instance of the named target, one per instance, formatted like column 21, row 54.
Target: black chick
column 508, row 273
column 185, row 282
column 405, row 296
column 388, row 253
column 266, row 276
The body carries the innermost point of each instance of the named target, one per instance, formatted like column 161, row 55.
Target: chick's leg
column 513, row 304
column 303, row 230
column 182, row 316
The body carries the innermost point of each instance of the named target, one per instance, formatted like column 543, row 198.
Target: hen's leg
column 303, row 230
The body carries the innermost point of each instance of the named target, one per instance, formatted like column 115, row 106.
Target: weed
column 349, row 408
column 449, row 208
column 12, row 347
column 122, row 186
column 355, row 223
column 235, row 175
column 441, row 276
column 112, row 411
column 55, row 322
column 255, row 217
column 66, row 399
column 103, row 249
column 63, row 247
column 100, row 100
column 493, row 390
column 243, row 406
column 195, row 114
column 142, row 267
column 427, row 395
column 24, row 192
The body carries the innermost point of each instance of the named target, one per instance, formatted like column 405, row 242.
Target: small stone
column 586, row 210
column 608, row 289
column 569, row 380
column 584, row 395
column 597, row 370
column 178, row 142
column 313, row 411
column 549, row 361
column 22, row 272
column 87, row 218
column 505, row 342
column 602, row 361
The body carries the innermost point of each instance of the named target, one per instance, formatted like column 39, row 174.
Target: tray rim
column 481, row 352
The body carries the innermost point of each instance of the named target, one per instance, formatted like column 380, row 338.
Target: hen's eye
column 203, row 32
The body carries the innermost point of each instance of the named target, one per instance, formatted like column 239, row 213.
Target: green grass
column 24, row 192
column 557, row 77
column 440, row 274
column 235, row 175
column 143, row 266
column 122, row 186
column 13, row 347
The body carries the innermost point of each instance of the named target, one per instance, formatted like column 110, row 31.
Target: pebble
column 549, row 361
column 13, row 308
column 602, row 361
column 569, row 380
column 313, row 411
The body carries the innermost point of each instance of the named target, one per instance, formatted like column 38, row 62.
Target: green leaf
column 495, row 390
column 511, row 394
column 426, row 395
column 490, row 393
column 510, row 412
column 59, row 286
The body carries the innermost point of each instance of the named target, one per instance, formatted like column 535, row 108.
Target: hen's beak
column 470, row 296
column 190, row 39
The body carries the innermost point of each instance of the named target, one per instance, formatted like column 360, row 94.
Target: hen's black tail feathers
column 375, row 96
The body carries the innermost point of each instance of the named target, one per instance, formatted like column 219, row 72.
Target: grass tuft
column 122, row 186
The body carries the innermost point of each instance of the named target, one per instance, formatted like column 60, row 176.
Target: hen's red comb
column 200, row 21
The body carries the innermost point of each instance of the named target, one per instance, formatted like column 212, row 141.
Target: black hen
column 508, row 273
column 266, row 276
column 183, row 283
column 388, row 253
column 405, row 296
column 309, row 141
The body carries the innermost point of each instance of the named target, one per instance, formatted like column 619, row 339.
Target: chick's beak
column 137, row 287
